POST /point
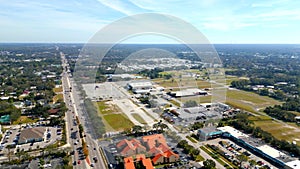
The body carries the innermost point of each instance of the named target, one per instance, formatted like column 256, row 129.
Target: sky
column 221, row 21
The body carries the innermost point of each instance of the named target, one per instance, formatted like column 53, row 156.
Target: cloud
column 124, row 6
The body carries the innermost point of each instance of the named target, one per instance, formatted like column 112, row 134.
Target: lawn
column 58, row 97
column 118, row 121
column 138, row 118
column 58, row 89
column 24, row 120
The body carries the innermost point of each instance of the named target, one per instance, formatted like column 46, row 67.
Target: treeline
column 242, row 123
column 152, row 74
column 280, row 114
column 7, row 108
column 246, row 85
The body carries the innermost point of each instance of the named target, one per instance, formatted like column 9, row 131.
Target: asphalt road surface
column 72, row 101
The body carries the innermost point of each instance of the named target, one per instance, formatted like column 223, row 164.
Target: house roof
column 152, row 140
column 32, row 133
column 130, row 145
column 166, row 154
column 53, row 111
column 128, row 163
column 147, row 163
column 158, row 150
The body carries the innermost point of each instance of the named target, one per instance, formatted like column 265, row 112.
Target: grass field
column 279, row 130
column 24, row 120
column 138, row 118
column 113, row 118
column 183, row 83
column 118, row 121
column 240, row 99
column 106, row 107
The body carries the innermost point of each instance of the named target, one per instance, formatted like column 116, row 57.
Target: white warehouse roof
column 234, row 132
column 294, row 164
column 271, row 151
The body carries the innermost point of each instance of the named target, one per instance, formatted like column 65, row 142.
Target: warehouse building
column 140, row 87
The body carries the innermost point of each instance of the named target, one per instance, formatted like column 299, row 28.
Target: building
column 130, row 163
column 266, row 152
column 5, row 119
column 188, row 92
column 159, row 150
column 165, row 157
column 140, row 87
column 30, row 135
column 294, row 164
column 129, row 148
column 196, row 113
column 153, row 146
column 297, row 119
column 207, row 133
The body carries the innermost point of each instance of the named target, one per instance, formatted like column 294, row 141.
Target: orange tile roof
column 147, row 163
column 151, row 140
column 130, row 145
column 166, row 154
column 128, row 163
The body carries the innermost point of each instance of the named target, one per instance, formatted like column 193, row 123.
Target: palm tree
column 19, row 154
column 9, row 147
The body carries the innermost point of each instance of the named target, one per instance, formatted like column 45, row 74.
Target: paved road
column 70, row 118
column 73, row 102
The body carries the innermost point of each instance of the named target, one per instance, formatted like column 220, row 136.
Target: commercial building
column 188, row 92
column 140, row 87
column 30, row 135
column 258, row 147
column 207, row 133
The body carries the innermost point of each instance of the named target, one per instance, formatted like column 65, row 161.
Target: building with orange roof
column 154, row 141
column 129, row 148
column 129, row 163
column 166, row 157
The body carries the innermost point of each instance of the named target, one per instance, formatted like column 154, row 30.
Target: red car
column 79, row 162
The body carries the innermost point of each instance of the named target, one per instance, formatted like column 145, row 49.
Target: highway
column 73, row 102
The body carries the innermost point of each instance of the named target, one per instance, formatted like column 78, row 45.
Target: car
column 78, row 161
column 94, row 148
column 92, row 165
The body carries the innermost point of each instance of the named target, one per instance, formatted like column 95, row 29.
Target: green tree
column 209, row 164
